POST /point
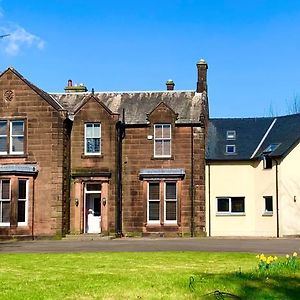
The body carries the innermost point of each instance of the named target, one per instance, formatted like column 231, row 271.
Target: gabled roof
column 137, row 105
column 52, row 101
column 253, row 136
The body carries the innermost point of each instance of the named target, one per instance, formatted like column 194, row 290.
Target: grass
column 159, row 275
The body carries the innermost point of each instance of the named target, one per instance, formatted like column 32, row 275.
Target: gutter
column 209, row 204
column 277, row 200
column 192, row 184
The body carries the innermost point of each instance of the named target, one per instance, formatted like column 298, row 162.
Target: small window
column 162, row 140
column 92, row 139
column 230, row 149
column 22, row 202
column 230, row 135
column 231, row 205
column 268, row 205
column 267, row 162
column 4, row 202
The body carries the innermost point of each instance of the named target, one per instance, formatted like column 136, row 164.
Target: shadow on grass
column 246, row 286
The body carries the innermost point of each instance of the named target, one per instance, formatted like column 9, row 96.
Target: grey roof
column 253, row 136
column 187, row 104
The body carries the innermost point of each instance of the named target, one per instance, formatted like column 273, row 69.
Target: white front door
column 93, row 212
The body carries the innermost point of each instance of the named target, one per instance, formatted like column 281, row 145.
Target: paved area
column 252, row 245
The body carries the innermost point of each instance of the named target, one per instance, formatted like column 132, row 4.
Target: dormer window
column 271, row 148
column 230, row 149
column 162, row 140
column 230, row 135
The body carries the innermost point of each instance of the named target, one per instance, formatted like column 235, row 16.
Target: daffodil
column 275, row 257
column 287, row 256
column 295, row 254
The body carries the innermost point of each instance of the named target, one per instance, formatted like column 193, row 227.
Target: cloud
column 18, row 39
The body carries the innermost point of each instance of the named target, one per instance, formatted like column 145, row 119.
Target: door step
column 87, row 237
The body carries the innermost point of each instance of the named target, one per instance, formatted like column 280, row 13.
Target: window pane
column 158, row 131
column 171, row 211
column 18, row 144
column 17, row 127
column 3, row 128
column 171, row 190
column 5, row 212
column 3, row 144
column 153, row 191
column 166, row 131
column 89, row 130
column 22, row 189
column 96, row 131
column 21, row 211
column 153, row 210
column 237, row 205
column 223, row 205
column 93, row 187
column 5, row 189
column 158, row 147
column 93, row 145
column 269, row 204
column 167, row 148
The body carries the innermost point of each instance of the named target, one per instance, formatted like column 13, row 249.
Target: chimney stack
column 170, row 85
column 70, row 88
column 202, row 73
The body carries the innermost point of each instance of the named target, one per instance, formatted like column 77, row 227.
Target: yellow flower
column 295, row 254
column 263, row 258
column 257, row 256
column 287, row 256
column 270, row 259
column 275, row 257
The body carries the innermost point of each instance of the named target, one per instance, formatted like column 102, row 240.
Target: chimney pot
column 70, row 82
column 170, row 85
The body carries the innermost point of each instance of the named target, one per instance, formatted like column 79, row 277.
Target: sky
column 252, row 48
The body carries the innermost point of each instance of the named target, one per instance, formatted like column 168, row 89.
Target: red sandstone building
column 112, row 163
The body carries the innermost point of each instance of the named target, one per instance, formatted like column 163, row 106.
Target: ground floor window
column 162, row 202
column 268, row 209
column 231, row 205
column 14, row 194
column 22, row 201
column 4, row 202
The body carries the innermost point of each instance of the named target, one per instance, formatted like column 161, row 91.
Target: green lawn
column 159, row 275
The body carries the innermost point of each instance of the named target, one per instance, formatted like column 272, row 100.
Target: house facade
column 112, row 163
column 252, row 178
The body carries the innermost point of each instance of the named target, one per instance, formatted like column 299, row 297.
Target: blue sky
column 252, row 47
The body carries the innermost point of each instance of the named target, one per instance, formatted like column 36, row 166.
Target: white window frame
column 231, row 135
column 229, row 212
column 152, row 200
column 268, row 212
column 11, row 136
column 171, row 200
column 26, row 201
column 163, row 139
column 2, row 135
column 234, row 149
column 4, row 200
column 85, row 138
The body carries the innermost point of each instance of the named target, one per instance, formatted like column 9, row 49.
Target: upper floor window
column 92, row 144
column 11, row 137
column 230, row 149
column 162, row 140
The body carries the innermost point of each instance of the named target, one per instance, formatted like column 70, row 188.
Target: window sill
column 4, row 224
column 13, row 155
column 162, row 157
column 91, row 156
column 230, row 214
column 267, row 214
